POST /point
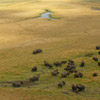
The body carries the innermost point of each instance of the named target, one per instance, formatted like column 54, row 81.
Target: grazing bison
column 97, row 47
column 63, row 62
column 70, row 67
column 64, row 74
column 47, row 64
column 78, row 75
column 72, row 71
column 34, row 69
column 21, row 82
column 55, row 72
column 98, row 63
column 78, row 88
column 74, row 88
column 95, row 58
column 37, row 51
column 16, row 84
column 61, row 84
column 57, row 64
column 99, row 52
column 35, row 78
column 82, row 63
column 66, row 68
column 95, row 74
column 70, row 61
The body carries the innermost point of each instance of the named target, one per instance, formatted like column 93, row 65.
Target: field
column 73, row 35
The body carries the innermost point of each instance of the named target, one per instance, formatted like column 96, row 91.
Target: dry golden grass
column 76, row 33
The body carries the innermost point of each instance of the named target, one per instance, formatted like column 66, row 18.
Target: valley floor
column 74, row 34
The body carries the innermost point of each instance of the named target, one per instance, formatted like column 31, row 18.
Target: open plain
column 73, row 34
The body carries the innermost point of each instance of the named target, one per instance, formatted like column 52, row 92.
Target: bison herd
column 69, row 69
column 22, row 83
column 34, row 78
column 78, row 88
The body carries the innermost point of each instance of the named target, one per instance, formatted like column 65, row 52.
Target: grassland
column 74, row 35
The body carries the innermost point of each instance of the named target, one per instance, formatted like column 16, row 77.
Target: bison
column 21, row 82
column 35, row 78
column 55, row 72
column 37, row 51
column 64, row 74
column 98, row 63
column 57, row 64
column 78, row 88
column 99, row 52
column 70, row 61
column 63, row 62
column 47, row 64
column 95, row 74
column 78, row 75
column 71, row 68
column 97, row 47
column 72, row 71
column 74, row 88
column 61, row 84
column 34, row 69
column 95, row 58
column 82, row 63
column 16, row 84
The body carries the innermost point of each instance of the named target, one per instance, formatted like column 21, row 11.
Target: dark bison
column 97, row 47
column 95, row 74
column 34, row 69
column 70, row 67
column 47, row 64
column 74, row 88
column 95, row 58
column 21, row 82
column 78, row 88
column 55, row 72
column 64, row 74
column 82, row 63
column 57, row 64
column 61, row 84
column 98, row 63
column 18, row 84
column 37, row 51
column 99, row 52
column 78, row 75
column 63, row 62
column 70, row 61
column 72, row 71
column 35, row 78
